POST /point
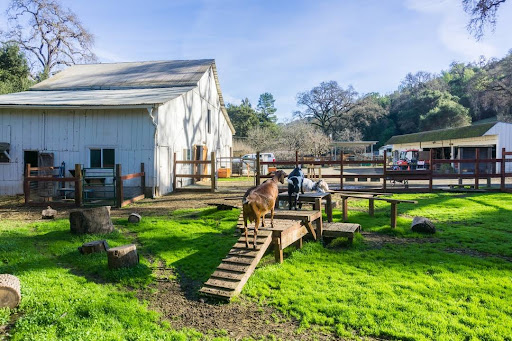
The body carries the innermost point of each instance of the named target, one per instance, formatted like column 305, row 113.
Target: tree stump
column 423, row 225
column 93, row 247
column 49, row 213
column 122, row 256
column 134, row 218
column 10, row 293
column 91, row 220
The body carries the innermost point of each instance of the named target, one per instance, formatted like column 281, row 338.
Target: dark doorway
column 32, row 157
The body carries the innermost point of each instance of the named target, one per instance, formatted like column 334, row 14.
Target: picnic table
column 394, row 203
column 311, row 197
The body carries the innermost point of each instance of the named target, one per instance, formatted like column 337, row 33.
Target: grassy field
column 455, row 285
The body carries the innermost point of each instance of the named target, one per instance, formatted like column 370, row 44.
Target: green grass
column 415, row 291
column 411, row 291
column 236, row 178
column 191, row 241
column 67, row 296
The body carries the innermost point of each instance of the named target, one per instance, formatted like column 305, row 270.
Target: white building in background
column 99, row 115
column 460, row 143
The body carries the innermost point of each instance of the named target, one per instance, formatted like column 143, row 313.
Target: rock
column 134, row 218
column 49, row 213
column 93, row 247
column 10, row 291
column 91, row 220
column 122, row 256
column 423, row 225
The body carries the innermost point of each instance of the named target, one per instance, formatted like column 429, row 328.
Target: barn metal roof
column 475, row 130
column 92, row 98
column 115, row 76
column 117, row 85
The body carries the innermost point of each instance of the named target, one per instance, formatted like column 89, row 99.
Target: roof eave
column 41, row 106
column 221, row 99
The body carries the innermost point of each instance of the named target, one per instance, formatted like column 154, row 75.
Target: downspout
column 155, row 155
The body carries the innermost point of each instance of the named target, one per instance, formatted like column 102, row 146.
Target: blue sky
column 285, row 47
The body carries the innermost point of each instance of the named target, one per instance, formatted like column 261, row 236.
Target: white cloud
column 452, row 30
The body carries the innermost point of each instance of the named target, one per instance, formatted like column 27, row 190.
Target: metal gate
column 99, row 187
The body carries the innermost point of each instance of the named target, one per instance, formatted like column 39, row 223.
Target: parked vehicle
column 249, row 162
column 413, row 159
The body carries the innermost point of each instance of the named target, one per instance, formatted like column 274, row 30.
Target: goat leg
column 272, row 217
column 246, row 233
column 257, row 223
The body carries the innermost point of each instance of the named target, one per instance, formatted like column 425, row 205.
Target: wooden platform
column 235, row 269
column 336, row 230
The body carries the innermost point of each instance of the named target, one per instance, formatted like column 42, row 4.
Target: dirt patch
column 378, row 239
column 180, row 305
column 479, row 254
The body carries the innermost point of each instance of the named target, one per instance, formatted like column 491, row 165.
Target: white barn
column 98, row 115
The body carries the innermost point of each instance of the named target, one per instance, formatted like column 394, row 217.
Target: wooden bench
column 370, row 195
column 394, row 203
column 336, row 230
column 311, row 197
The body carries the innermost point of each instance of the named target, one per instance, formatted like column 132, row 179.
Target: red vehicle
column 413, row 159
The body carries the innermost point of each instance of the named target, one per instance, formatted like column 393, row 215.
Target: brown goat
column 260, row 200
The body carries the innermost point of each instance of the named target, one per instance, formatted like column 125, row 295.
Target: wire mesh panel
column 99, row 187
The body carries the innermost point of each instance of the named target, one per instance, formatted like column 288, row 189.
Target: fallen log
column 122, row 256
column 93, row 247
column 10, row 291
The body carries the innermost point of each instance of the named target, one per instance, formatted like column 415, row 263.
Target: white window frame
column 89, row 149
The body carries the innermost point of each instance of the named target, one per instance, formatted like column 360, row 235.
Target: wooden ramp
column 231, row 275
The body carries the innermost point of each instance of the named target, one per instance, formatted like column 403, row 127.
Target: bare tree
column 51, row 36
column 325, row 104
column 305, row 138
column 261, row 139
column 483, row 14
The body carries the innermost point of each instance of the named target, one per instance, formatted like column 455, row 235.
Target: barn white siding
column 69, row 134
column 182, row 123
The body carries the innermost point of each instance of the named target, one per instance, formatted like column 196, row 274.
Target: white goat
column 311, row 186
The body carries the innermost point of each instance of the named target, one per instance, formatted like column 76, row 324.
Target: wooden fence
column 120, row 179
column 387, row 173
column 33, row 184
column 195, row 174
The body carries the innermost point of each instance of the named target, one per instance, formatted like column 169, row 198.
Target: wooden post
column 258, row 172
column 460, row 165
column 298, row 243
column 502, row 167
column 278, row 250
column 371, row 207
column 26, row 184
column 344, row 206
column 477, row 166
column 119, row 186
column 143, row 179
column 394, row 214
column 296, row 158
column 384, row 170
column 174, row 173
column 341, row 171
column 319, row 225
column 78, row 185
column 213, row 170
column 328, row 207
column 431, row 173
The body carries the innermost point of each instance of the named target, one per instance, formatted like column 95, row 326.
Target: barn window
column 102, row 158
column 4, row 153
column 209, row 121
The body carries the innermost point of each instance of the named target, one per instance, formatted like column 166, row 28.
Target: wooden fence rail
column 77, row 190
column 195, row 174
column 120, row 179
column 429, row 174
